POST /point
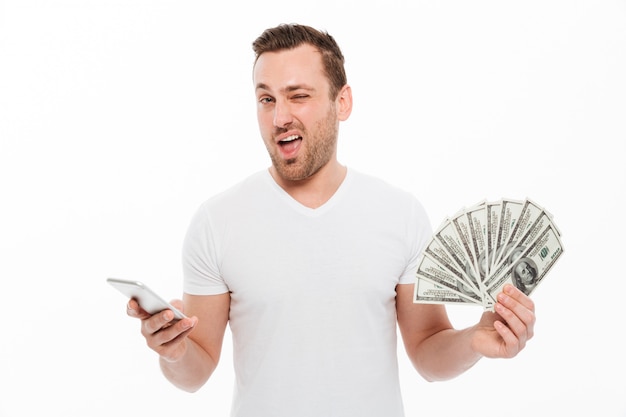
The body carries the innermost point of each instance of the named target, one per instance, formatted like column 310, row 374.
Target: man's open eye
column 265, row 100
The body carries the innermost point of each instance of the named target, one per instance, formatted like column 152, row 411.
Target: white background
column 118, row 118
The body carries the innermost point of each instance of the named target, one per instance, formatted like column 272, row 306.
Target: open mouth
column 289, row 139
column 289, row 145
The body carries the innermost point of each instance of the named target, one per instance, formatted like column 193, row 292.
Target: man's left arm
column 439, row 351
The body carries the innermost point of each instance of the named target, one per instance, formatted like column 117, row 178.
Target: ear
column 344, row 103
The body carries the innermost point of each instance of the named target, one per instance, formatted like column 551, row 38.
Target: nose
column 282, row 114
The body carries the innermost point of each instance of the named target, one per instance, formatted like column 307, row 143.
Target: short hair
column 290, row 36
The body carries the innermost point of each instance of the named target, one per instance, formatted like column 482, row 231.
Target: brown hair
column 289, row 36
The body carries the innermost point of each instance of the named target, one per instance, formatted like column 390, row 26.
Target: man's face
column 524, row 273
column 297, row 119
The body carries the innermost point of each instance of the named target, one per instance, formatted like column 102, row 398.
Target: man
column 525, row 275
column 312, row 265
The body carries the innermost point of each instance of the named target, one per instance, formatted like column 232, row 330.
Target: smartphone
column 147, row 299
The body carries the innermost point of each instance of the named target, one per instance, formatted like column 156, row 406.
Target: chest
column 295, row 260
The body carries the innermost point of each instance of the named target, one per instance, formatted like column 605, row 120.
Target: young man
column 312, row 264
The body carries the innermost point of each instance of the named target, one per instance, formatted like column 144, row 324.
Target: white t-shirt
column 312, row 312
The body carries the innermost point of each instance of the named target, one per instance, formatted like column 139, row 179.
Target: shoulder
column 226, row 204
column 378, row 197
column 382, row 192
column 238, row 193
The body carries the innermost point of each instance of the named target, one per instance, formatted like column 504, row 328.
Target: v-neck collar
column 308, row 211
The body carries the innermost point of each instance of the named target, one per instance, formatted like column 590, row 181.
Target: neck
column 316, row 190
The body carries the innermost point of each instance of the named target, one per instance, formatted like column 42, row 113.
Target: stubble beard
column 320, row 148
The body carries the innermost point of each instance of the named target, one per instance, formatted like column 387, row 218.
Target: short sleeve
column 419, row 232
column 200, row 257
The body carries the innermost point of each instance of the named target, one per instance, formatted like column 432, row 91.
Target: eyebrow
column 288, row 89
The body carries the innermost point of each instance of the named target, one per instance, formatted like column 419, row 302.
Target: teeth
column 290, row 138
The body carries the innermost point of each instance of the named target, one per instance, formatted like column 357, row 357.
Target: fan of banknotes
column 474, row 253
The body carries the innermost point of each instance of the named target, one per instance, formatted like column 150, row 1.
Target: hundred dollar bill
column 493, row 218
column 438, row 252
column 474, row 253
column 529, row 213
column 515, row 249
column 463, row 228
column 477, row 221
column 450, row 240
column 532, row 265
column 427, row 292
column 430, row 270
column 509, row 212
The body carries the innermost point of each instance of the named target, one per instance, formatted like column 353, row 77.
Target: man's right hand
column 163, row 334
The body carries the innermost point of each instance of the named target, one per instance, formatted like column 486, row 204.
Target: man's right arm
column 189, row 350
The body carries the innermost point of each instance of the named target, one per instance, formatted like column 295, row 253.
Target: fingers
column 178, row 304
column 519, row 296
column 162, row 328
column 518, row 312
column 167, row 336
column 163, row 333
column 134, row 310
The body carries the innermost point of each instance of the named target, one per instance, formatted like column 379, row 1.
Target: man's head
column 525, row 272
column 284, row 37
column 299, row 102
